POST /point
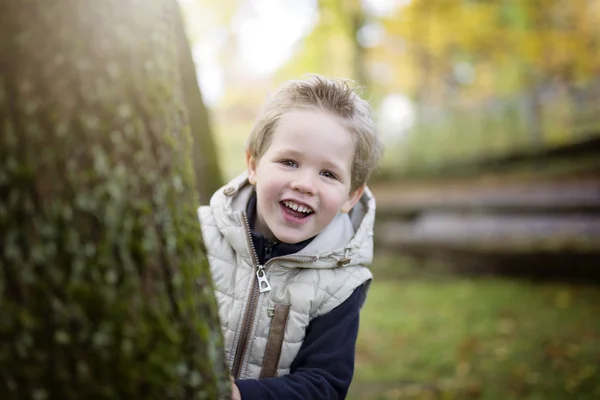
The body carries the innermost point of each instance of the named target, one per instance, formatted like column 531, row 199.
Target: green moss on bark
column 104, row 288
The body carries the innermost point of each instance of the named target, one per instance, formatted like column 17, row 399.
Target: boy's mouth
column 295, row 209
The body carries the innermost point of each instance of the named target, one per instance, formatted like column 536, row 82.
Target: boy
column 288, row 243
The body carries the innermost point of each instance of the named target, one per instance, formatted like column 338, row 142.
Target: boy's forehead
column 312, row 128
column 303, row 122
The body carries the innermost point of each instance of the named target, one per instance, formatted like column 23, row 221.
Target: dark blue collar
column 265, row 248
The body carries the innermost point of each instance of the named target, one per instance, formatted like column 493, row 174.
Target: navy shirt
column 324, row 366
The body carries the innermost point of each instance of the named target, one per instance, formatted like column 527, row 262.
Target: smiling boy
column 289, row 241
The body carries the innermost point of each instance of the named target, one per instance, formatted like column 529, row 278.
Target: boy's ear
column 251, row 167
column 353, row 199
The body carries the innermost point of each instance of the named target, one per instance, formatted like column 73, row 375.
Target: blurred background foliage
column 457, row 87
column 459, row 64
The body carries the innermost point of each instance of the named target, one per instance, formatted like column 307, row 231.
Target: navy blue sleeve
column 324, row 366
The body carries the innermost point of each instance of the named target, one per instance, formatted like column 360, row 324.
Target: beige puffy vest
column 263, row 331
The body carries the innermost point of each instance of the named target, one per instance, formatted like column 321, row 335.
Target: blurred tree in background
column 205, row 157
column 104, row 288
column 510, row 62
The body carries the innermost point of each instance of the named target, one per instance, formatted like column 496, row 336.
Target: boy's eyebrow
column 289, row 153
column 334, row 166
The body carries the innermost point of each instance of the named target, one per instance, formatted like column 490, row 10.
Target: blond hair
column 335, row 97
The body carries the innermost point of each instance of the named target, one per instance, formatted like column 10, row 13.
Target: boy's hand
column 235, row 392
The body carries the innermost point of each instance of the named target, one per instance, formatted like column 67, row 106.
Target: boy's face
column 303, row 179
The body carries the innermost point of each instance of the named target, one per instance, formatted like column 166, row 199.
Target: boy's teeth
column 297, row 207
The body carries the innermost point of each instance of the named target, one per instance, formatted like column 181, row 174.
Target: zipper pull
column 263, row 283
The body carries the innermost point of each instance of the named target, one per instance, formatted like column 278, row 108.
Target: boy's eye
column 329, row 174
column 289, row 163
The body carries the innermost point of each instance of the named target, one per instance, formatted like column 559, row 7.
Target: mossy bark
column 104, row 287
column 207, row 169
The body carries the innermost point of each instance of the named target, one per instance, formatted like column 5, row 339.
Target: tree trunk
column 423, row 54
column 105, row 291
column 206, row 162
column 357, row 20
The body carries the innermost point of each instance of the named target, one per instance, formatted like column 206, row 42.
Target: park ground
column 429, row 334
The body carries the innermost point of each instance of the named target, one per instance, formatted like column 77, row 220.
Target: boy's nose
column 303, row 183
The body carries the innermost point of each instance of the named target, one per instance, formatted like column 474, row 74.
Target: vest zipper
column 255, row 291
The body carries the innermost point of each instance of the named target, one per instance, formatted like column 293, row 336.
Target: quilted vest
column 264, row 329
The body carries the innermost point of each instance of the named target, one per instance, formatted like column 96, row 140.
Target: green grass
column 489, row 338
